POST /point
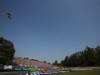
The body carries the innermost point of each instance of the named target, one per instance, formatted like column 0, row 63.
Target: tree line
column 87, row 57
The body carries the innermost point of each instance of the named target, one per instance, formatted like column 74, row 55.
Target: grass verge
column 92, row 72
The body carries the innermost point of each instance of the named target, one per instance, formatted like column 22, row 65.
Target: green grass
column 81, row 73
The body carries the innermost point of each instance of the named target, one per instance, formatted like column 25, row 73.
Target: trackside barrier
column 46, row 73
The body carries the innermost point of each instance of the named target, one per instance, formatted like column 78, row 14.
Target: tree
column 87, row 57
column 56, row 63
column 65, row 62
column 98, row 55
column 7, row 51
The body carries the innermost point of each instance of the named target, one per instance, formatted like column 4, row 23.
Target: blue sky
column 50, row 29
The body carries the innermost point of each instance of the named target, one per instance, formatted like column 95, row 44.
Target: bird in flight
column 8, row 15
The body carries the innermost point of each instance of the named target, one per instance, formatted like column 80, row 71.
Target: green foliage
column 97, row 49
column 87, row 57
column 56, row 63
column 7, row 51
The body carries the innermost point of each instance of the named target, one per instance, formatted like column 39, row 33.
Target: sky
column 49, row 30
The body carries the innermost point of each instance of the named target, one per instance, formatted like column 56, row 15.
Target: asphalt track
column 32, row 73
column 12, row 73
